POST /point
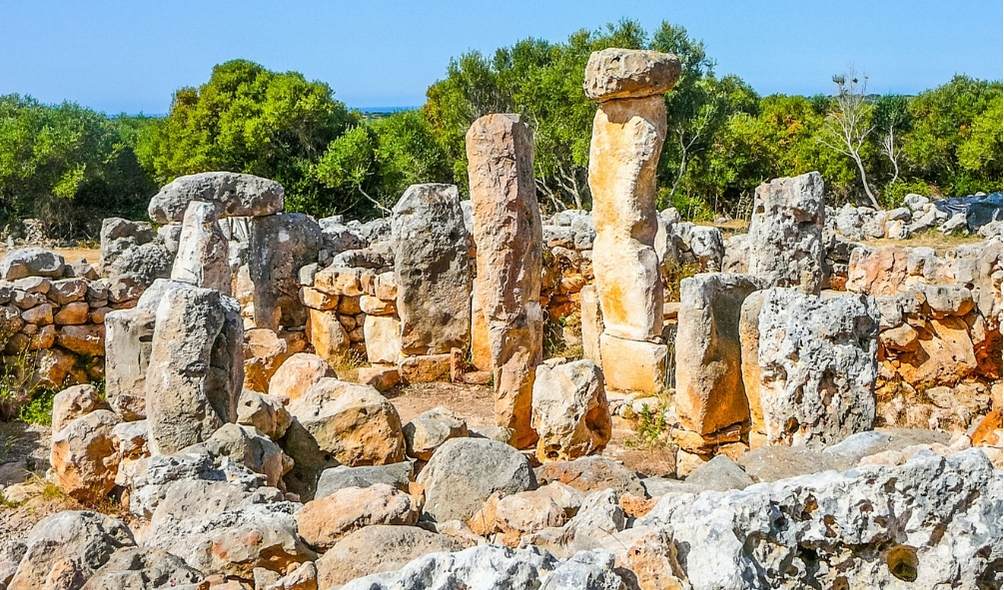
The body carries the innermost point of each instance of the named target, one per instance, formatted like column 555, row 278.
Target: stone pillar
column 710, row 401
column 507, row 230
column 278, row 246
column 433, row 276
column 628, row 132
column 203, row 250
column 196, row 368
column 786, row 233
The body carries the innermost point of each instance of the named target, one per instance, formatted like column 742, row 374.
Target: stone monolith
column 507, row 231
column 202, row 250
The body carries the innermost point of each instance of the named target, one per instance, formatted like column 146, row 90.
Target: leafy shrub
column 16, row 387
column 38, row 410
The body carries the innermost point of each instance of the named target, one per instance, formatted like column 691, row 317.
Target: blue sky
column 131, row 56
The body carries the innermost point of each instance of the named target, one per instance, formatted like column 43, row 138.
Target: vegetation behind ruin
column 62, row 162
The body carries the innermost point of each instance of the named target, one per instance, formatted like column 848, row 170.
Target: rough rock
column 134, row 568
column 31, row 262
column 249, row 447
column 65, row 549
column 202, row 250
column 598, row 519
column 933, row 522
column 570, row 411
column 230, row 193
column 709, row 387
column 464, row 472
column 337, row 422
column 507, row 231
column 278, row 246
column 629, row 73
column 196, row 371
column 342, row 476
column 786, row 227
column 818, row 366
column 377, row 548
column 296, row 375
column 74, row 402
column 720, row 473
column 429, row 430
column 264, row 412
column 118, row 235
column 323, row 521
column 83, row 456
column 633, row 365
column 237, row 540
column 142, row 264
column 432, row 269
column 590, row 474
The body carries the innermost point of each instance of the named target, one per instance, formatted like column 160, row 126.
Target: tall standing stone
column 202, row 250
column 507, row 230
column 196, row 368
column 278, row 246
column 709, row 386
column 786, row 232
column 432, row 270
column 628, row 133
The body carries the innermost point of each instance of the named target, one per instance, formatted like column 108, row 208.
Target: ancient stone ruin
column 290, row 403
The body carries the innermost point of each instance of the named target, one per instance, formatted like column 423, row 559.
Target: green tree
column 250, row 119
column 63, row 163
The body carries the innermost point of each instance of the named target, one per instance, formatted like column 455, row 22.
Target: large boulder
column 394, row 474
column 570, row 411
column 336, row 422
column 237, row 540
column 377, row 548
column 429, row 430
column 591, row 474
column 74, row 402
column 432, row 269
column 249, row 447
column 786, row 233
column 118, row 235
column 323, row 521
column 135, row 568
column 142, row 264
column 264, row 412
column 84, row 458
column 65, row 549
column 933, row 522
column 296, row 375
column 230, row 193
column 464, row 472
column 818, row 365
column 31, row 262
column 196, row 370
column 128, row 343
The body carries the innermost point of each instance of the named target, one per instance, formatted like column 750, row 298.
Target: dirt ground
column 475, row 404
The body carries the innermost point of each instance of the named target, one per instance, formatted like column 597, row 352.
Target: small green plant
column 16, row 384
column 38, row 410
column 5, row 503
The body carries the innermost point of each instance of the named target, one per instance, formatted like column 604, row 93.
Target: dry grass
column 931, row 238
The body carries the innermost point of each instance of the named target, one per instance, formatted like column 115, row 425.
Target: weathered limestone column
column 203, row 250
column 507, row 230
column 196, row 367
column 710, row 400
column 433, row 276
column 628, row 132
column 786, row 233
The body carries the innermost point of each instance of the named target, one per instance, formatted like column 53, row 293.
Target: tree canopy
column 723, row 138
